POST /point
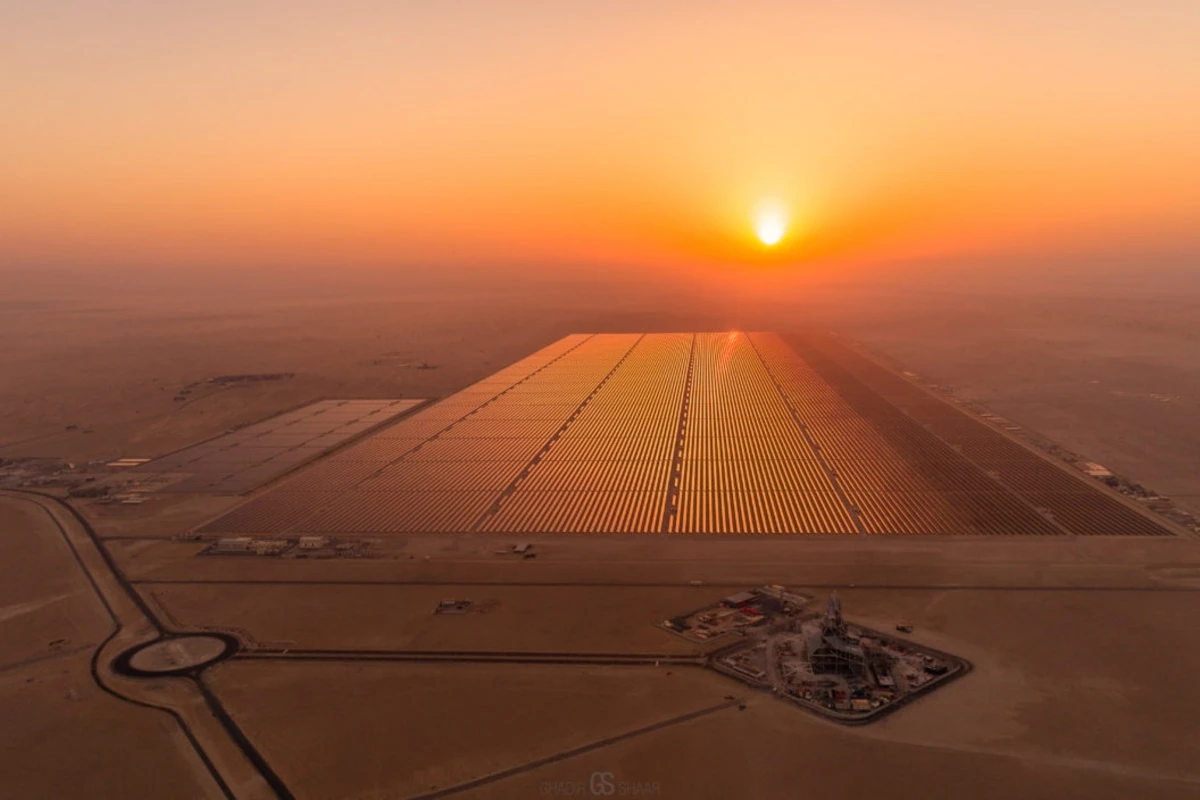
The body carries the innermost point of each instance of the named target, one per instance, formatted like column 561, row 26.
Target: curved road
column 236, row 768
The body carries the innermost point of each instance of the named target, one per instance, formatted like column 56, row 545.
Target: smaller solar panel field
column 251, row 456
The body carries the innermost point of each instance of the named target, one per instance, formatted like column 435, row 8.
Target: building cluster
column 301, row 547
column 739, row 613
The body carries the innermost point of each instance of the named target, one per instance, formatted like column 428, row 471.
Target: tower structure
column 833, row 624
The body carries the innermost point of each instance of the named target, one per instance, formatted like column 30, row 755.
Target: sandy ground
column 46, row 604
column 73, row 740
column 566, row 619
column 160, row 516
column 1073, row 694
column 769, row 751
column 385, row 730
column 1076, row 674
column 63, row 736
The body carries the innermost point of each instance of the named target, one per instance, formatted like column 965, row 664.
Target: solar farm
column 681, row 433
column 328, row 599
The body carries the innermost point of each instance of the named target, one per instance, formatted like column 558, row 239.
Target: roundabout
column 175, row 655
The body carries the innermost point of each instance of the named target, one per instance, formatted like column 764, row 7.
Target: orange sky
column 626, row 132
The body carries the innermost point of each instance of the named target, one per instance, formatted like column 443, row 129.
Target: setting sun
column 770, row 224
column 650, row 135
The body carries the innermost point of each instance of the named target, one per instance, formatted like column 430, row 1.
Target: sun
column 770, row 223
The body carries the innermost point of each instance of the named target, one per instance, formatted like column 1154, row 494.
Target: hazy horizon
column 587, row 137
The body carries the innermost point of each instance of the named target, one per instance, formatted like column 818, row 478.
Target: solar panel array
column 718, row 433
column 746, row 465
column 1073, row 503
column 251, row 456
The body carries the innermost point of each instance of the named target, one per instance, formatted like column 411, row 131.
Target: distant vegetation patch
column 231, row 381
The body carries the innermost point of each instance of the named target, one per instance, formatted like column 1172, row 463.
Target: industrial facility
column 840, row 670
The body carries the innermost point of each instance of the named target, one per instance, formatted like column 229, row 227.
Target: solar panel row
column 864, row 444
column 746, row 465
column 761, row 512
column 396, row 512
column 577, row 512
column 607, row 470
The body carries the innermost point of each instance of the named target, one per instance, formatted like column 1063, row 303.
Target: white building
column 234, row 544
